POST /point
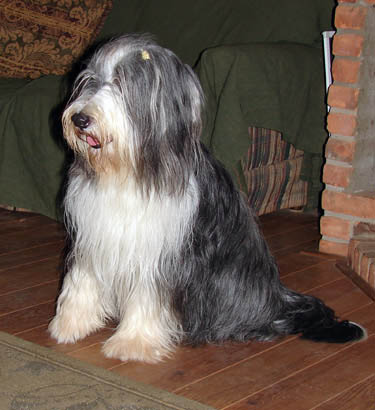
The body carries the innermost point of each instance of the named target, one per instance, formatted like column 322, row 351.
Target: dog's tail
column 310, row 317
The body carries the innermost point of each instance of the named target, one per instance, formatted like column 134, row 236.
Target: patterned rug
column 34, row 377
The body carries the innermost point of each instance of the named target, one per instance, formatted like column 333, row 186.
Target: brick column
column 348, row 213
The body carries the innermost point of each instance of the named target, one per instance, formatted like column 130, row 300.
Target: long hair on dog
column 162, row 241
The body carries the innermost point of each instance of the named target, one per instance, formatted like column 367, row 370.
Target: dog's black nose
column 81, row 120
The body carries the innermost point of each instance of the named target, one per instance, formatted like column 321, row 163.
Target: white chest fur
column 118, row 230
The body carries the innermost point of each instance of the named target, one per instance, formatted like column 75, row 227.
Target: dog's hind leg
column 79, row 309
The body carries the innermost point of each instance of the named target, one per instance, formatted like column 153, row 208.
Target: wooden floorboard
column 316, row 383
column 285, row 374
column 361, row 396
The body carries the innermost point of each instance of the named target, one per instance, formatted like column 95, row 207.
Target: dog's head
column 135, row 109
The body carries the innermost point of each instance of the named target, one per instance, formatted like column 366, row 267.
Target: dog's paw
column 134, row 349
column 71, row 329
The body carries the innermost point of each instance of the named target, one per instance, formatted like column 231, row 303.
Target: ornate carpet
column 34, row 377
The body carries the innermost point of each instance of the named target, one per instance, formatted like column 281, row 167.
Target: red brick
column 336, row 175
column 340, row 150
column 347, row 204
column 348, row 17
column 335, row 227
column 347, row 1
column 370, row 1
column 345, row 71
column 333, row 248
column 349, row 45
column 342, row 124
column 343, row 97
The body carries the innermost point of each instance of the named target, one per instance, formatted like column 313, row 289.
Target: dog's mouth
column 93, row 142
column 90, row 140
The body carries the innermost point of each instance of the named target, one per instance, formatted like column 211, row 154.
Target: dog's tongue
column 93, row 142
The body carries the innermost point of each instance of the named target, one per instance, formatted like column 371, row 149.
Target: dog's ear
column 163, row 98
column 179, row 102
column 191, row 99
column 162, row 102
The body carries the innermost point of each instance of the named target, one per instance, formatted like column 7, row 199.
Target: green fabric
column 31, row 153
column 267, row 85
column 252, row 85
column 312, row 172
column 190, row 27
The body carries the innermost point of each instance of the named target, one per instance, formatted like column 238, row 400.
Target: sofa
column 259, row 63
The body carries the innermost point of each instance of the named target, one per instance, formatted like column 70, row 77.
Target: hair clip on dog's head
column 145, row 55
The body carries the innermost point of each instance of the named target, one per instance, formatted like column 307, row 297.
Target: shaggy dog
column 162, row 241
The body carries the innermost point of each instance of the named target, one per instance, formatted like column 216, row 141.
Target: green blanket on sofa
column 268, row 86
column 263, row 67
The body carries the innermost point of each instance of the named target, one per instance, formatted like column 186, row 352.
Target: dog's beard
column 102, row 144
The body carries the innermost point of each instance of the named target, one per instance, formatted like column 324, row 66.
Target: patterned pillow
column 42, row 37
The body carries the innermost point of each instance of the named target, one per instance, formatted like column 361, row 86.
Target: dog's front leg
column 79, row 309
column 148, row 331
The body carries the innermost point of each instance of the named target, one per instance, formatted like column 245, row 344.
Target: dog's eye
column 86, row 81
column 117, row 85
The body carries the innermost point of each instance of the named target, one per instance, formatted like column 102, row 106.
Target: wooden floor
column 289, row 374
